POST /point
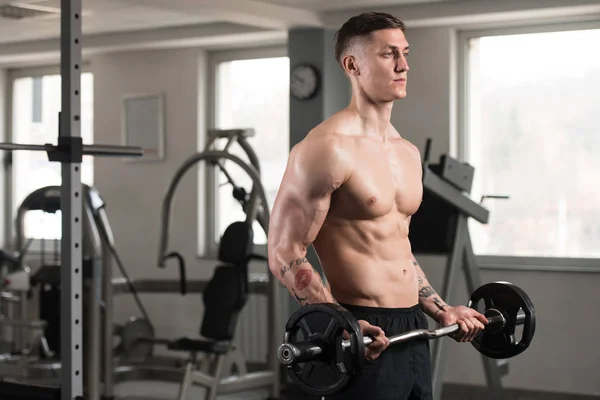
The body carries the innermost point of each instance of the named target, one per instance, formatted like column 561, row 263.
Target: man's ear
column 350, row 65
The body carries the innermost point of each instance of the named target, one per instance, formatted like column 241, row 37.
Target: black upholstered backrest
column 224, row 298
column 237, row 243
column 226, row 293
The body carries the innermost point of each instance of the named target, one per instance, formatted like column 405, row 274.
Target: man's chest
column 385, row 177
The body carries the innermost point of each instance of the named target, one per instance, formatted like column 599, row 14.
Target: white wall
column 564, row 354
column 134, row 191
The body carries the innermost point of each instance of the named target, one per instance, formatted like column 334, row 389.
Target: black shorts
column 403, row 370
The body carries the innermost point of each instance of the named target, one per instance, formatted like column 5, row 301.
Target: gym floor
column 151, row 390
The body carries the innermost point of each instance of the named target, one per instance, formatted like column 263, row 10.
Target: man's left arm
column 469, row 320
column 431, row 303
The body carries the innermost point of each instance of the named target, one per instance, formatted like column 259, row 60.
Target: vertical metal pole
column 22, row 332
column 92, row 347
column 438, row 349
column 107, row 317
column 71, row 205
column 471, row 270
column 492, row 368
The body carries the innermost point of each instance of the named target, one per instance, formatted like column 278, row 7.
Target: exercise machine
column 132, row 358
column 255, row 207
column 46, row 363
column 15, row 286
column 440, row 227
column 224, row 297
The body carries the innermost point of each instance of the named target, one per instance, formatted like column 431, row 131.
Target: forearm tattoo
column 440, row 305
column 419, row 277
column 300, row 300
column 297, row 262
column 302, row 280
column 427, row 291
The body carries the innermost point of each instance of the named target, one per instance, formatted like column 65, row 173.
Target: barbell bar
column 102, row 150
column 289, row 353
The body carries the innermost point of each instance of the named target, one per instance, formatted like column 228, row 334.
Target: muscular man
column 349, row 189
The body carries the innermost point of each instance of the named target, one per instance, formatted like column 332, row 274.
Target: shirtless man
column 349, row 189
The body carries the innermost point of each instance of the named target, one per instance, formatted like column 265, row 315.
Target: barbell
column 321, row 362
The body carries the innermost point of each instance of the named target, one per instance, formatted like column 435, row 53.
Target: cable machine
column 255, row 206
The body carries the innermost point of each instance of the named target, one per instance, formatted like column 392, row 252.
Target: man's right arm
column 316, row 167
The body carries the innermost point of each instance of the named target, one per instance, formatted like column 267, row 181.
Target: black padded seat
column 199, row 345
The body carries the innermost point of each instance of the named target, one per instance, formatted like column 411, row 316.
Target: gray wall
column 134, row 191
column 563, row 356
column 315, row 46
column 425, row 112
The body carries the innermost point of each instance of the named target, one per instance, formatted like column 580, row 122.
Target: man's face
column 382, row 65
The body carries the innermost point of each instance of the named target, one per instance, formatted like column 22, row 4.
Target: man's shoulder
column 336, row 130
column 322, row 150
column 320, row 144
column 332, row 133
column 399, row 138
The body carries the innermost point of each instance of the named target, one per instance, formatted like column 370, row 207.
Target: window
column 36, row 102
column 251, row 93
column 532, row 133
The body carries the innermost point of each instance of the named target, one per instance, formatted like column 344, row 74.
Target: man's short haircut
column 360, row 27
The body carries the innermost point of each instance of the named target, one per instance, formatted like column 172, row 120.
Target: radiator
column 253, row 329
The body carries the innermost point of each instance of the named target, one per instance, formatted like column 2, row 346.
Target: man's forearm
column 431, row 303
column 303, row 282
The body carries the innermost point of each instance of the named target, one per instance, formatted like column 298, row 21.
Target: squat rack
column 69, row 151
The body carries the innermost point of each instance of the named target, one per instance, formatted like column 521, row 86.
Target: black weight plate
column 508, row 299
column 335, row 368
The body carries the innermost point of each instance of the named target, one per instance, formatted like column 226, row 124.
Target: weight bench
column 224, row 297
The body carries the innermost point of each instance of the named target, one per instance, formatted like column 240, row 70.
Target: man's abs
column 368, row 263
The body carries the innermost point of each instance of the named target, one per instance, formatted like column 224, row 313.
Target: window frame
column 518, row 263
column 9, row 219
column 211, row 209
